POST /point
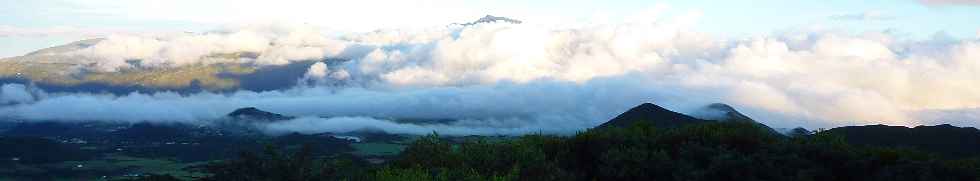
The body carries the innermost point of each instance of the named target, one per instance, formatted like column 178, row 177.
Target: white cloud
column 319, row 74
column 15, row 94
column 276, row 45
column 317, row 71
column 503, row 78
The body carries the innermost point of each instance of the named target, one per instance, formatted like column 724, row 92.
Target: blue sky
column 31, row 25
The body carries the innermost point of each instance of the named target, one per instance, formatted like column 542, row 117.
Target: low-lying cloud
column 509, row 79
column 15, row 94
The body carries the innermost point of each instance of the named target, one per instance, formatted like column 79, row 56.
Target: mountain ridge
column 651, row 113
column 492, row 19
column 255, row 114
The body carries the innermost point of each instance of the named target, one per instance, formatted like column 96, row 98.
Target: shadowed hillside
column 651, row 114
column 254, row 114
column 944, row 139
column 57, row 69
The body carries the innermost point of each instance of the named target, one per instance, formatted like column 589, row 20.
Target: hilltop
column 255, row 114
column 493, row 19
column 654, row 115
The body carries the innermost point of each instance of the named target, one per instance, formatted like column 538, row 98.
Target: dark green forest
column 707, row 151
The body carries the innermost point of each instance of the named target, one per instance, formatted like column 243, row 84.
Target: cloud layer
column 510, row 79
column 275, row 45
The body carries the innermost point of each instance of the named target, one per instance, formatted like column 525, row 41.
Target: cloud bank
column 503, row 78
column 273, row 45
column 15, row 94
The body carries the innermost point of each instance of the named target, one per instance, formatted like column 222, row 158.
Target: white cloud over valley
column 518, row 78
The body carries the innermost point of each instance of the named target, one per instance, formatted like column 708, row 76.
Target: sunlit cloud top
column 29, row 25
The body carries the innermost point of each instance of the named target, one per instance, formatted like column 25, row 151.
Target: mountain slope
column 73, row 46
column 68, row 68
column 256, row 115
column 80, row 67
column 724, row 112
column 655, row 115
column 493, row 19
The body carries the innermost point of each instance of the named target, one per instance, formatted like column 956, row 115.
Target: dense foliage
column 710, row 151
column 273, row 165
column 944, row 139
column 37, row 150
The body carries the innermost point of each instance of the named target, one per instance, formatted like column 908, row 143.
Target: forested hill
column 633, row 150
column 943, row 139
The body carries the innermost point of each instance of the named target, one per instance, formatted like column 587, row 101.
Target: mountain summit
column 493, row 19
column 653, row 114
column 724, row 112
column 254, row 114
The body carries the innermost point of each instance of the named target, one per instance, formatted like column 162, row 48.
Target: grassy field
column 377, row 149
column 168, row 78
column 132, row 165
column 175, row 77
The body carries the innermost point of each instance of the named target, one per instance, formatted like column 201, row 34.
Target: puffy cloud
column 507, row 79
column 274, row 45
column 317, row 71
column 319, row 74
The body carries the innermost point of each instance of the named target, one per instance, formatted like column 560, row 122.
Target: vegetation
column 38, row 150
column 642, row 151
column 108, row 151
column 709, row 151
column 204, row 76
column 208, row 77
column 377, row 149
column 274, row 165
column 947, row 140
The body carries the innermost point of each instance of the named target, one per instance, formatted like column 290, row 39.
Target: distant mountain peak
column 653, row 114
column 721, row 106
column 73, row 46
column 492, row 19
column 255, row 114
column 724, row 112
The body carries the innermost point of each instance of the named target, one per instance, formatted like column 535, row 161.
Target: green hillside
column 206, row 76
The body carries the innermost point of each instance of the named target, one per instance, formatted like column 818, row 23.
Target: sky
column 30, row 25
